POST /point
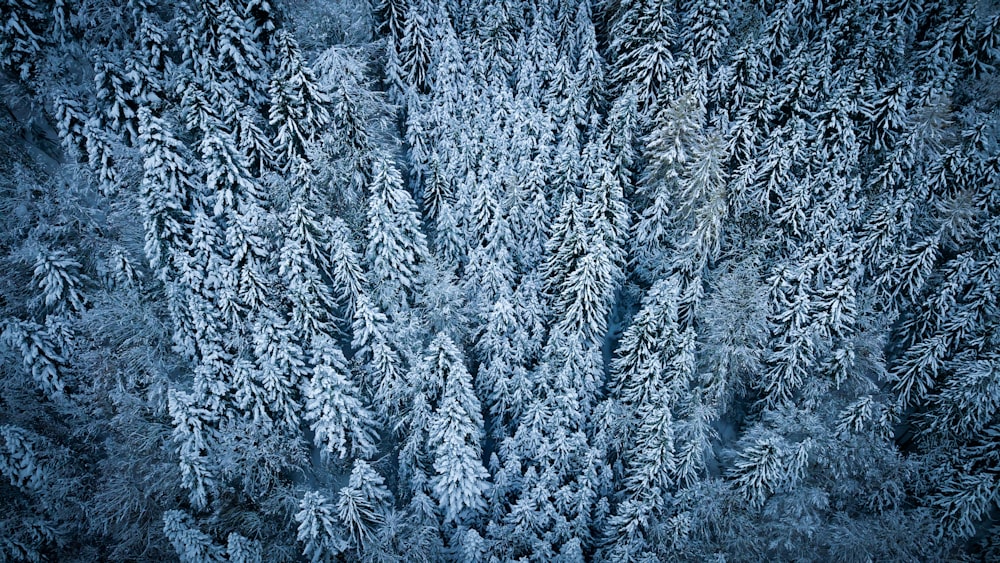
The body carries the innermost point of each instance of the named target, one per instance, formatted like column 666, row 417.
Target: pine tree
column 58, row 280
column 243, row 550
column 621, row 137
column 448, row 69
column 988, row 46
column 342, row 424
column 766, row 466
column 490, row 271
column 495, row 36
column 373, row 343
column 565, row 244
column 566, row 166
column 706, row 32
column 298, row 104
column 193, row 431
column 415, row 46
column 587, row 293
column 647, row 484
column 191, row 544
column 792, row 353
column 238, row 207
column 646, row 346
column 395, row 242
column 675, row 127
column 391, row 15
column 346, row 273
column 605, row 205
column 643, row 39
column 357, row 110
column 115, row 92
column 395, row 75
column 651, row 383
column 167, row 187
column 219, row 42
column 363, row 504
column 22, row 37
column 703, row 198
column 456, row 429
column 590, row 64
column 281, row 368
column 502, row 378
column 20, row 463
column 318, row 530
column 200, row 278
column 200, row 114
column 668, row 147
column 537, row 61
column 305, row 261
column 149, row 66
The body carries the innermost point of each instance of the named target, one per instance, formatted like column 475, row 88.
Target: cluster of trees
column 488, row 280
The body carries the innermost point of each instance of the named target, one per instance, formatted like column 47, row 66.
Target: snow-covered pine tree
column 502, row 379
column 22, row 37
column 454, row 435
column 357, row 113
column 383, row 366
column 194, row 433
column 396, row 243
column 342, row 424
column 590, row 64
column 306, row 260
column 167, row 189
column 706, row 32
column 348, row 278
column 363, row 505
column 668, row 149
column 219, row 45
column 415, row 45
column 318, row 529
column 565, row 244
column 191, row 544
column 298, row 105
column 642, row 45
column 281, row 369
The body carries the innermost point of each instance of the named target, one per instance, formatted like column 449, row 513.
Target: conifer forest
column 499, row 280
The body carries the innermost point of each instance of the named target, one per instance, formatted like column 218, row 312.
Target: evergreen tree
column 190, row 543
column 415, row 46
column 346, row 273
column 706, row 32
column 193, row 433
column 318, row 530
column 23, row 37
column 341, row 422
column 503, row 379
column 356, row 114
column 669, row 145
column 590, row 64
column 395, row 242
column 565, row 244
column 363, row 505
column 298, row 105
column 281, row 368
column 305, row 260
column 373, row 342
column 456, row 429
column 643, row 40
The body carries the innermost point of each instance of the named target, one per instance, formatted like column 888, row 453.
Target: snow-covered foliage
column 499, row 280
